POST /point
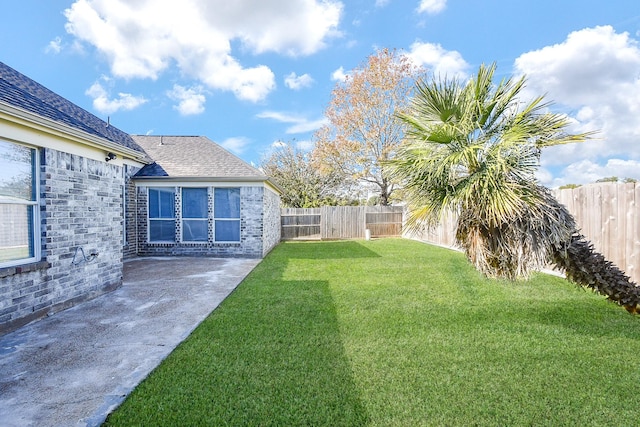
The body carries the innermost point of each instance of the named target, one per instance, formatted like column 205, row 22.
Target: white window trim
column 238, row 219
column 183, row 218
column 124, row 207
column 174, row 219
column 35, row 213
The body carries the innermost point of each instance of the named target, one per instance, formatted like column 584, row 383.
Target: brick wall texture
column 259, row 229
column 271, row 221
column 81, row 214
column 92, row 217
column 130, row 248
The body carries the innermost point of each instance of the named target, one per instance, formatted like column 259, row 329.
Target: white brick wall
column 272, row 234
column 81, row 207
column 259, row 228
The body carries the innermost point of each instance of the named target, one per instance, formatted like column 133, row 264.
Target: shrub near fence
column 608, row 214
column 341, row 222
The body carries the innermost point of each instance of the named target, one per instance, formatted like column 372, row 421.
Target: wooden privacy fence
column 341, row 222
column 608, row 214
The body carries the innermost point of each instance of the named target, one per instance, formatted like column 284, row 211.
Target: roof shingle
column 190, row 157
column 22, row 92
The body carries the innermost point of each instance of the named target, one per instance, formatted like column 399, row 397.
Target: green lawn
column 396, row 333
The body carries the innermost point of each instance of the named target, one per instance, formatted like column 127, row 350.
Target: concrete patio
column 76, row 366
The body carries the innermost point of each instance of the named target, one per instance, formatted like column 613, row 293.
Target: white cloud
column 237, row 145
column 594, row 75
column 305, row 145
column 279, row 116
column 299, row 124
column 190, row 100
column 103, row 104
column 586, row 171
column 54, row 45
column 283, row 26
column 440, row 62
column 432, row 7
column 339, row 75
column 295, row 82
column 307, row 126
column 142, row 39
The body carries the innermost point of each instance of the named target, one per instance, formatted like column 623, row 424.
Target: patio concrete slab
column 75, row 367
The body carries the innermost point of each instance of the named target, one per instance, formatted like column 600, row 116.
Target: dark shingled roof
column 192, row 157
column 151, row 170
column 21, row 92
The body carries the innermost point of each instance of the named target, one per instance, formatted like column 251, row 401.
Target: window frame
column 149, row 219
column 183, row 218
column 34, row 207
column 125, row 242
column 237, row 219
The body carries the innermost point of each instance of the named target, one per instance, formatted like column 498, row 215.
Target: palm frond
column 474, row 148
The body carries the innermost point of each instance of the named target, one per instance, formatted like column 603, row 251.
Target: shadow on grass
column 294, row 368
column 342, row 249
column 592, row 323
column 270, row 355
column 570, row 315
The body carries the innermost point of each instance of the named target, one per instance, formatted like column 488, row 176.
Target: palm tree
column 473, row 148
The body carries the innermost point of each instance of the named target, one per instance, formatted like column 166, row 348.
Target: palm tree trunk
column 545, row 232
column 588, row 268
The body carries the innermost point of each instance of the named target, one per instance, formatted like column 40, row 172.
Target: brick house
column 199, row 199
column 78, row 196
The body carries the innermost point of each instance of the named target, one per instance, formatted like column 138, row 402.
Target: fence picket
column 341, row 222
column 297, row 223
column 608, row 214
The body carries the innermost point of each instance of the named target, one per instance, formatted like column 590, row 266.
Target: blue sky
column 249, row 73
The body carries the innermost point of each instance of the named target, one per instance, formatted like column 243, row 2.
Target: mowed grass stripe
column 396, row 332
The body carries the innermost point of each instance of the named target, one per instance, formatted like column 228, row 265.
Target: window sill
column 24, row 268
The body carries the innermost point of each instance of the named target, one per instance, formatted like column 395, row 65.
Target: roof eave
column 260, row 178
column 24, row 117
column 205, row 178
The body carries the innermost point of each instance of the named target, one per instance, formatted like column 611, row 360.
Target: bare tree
column 303, row 184
column 363, row 130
